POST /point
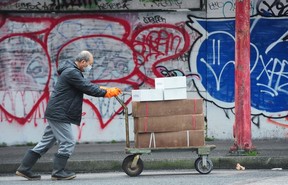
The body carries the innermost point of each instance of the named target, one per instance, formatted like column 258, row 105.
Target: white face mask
column 88, row 68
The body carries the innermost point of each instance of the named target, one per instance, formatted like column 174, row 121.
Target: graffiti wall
column 102, row 5
column 132, row 48
column 268, row 66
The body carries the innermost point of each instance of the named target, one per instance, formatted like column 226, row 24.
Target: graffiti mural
column 126, row 55
column 102, row 5
column 269, row 65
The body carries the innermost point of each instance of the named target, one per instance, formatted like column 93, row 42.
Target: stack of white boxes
column 168, row 88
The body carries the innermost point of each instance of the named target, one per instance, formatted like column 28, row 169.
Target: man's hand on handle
column 111, row 92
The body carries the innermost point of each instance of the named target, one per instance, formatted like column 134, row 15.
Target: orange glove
column 111, row 92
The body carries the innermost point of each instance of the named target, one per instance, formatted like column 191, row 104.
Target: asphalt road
column 179, row 177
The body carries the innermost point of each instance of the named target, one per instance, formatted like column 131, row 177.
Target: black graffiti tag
column 274, row 8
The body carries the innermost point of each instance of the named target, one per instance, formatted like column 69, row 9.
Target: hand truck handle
column 126, row 120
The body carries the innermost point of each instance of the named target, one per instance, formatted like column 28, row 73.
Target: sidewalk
column 95, row 157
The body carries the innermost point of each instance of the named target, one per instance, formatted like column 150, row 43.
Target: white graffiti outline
column 217, row 79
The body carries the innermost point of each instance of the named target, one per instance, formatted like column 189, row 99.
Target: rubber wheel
column 132, row 172
column 203, row 169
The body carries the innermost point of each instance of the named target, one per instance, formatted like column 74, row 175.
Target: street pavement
column 108, row 157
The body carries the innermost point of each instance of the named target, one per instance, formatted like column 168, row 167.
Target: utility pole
column 242, row 125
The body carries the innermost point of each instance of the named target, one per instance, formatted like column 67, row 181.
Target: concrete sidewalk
column 99, row 157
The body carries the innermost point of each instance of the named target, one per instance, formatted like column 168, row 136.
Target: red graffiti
column 80, row 128
column 42, row 42
column 269, row 120
column 160, row 43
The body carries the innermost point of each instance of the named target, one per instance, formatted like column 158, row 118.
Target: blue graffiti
column 215, row 61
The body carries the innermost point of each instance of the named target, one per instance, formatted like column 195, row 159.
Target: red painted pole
column 242, row 127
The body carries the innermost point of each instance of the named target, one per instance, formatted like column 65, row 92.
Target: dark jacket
column 65, row 103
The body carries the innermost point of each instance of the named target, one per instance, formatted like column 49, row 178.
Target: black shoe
column 28, row 175
column 59, row 172
column 63, row 175
column 28, row 161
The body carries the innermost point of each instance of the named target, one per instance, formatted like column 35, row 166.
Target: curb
column 92, row 166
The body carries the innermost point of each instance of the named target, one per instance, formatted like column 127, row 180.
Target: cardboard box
column 169, row 123
column 147, row 95
column 167, row 108
column 170, row 82
column 175, row 93
column 180, row 139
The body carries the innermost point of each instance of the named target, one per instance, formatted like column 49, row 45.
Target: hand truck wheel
column 201, row 168
column 132, row 165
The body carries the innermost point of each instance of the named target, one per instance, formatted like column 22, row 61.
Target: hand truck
column 133, row 166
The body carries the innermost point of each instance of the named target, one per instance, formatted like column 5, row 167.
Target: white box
column 170, row 82
column 175, row 93
column 147, row 95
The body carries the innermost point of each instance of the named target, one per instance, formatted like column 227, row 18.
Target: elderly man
column 64, row 108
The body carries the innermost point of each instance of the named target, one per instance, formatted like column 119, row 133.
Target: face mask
column 88, row 68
